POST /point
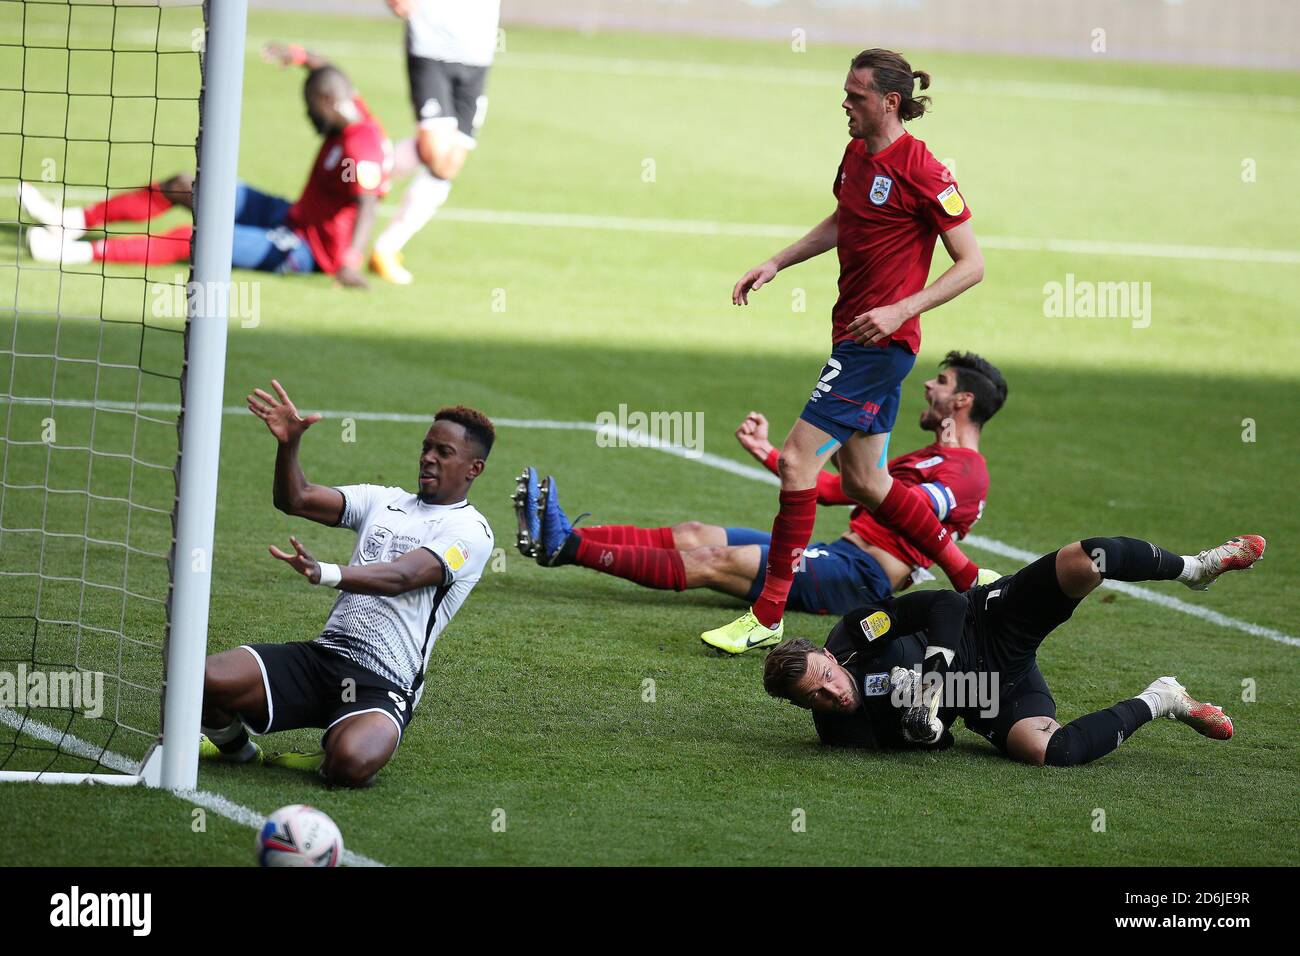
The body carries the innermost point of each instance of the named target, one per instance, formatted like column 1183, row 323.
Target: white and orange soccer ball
column 299, row 835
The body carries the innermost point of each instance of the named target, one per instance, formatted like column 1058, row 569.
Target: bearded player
column 450, row 45
column 326, row 230
column 893, row 199
column 866, row 689
column 866, row 563
column 416, row 560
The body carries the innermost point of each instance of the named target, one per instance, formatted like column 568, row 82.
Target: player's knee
column 439, row 159
column 867, row 485
column 707, row 564
column 346, row 766
column 852, row 482
column 791, row 465
column 687, row 535
column 1080, row 568
column 447, row 164
column 1064, row 749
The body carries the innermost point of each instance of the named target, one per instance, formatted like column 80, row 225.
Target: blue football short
column 860, row 389
column 835, row 578
column 261, row 239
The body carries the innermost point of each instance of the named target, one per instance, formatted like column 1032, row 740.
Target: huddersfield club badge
column 880, row 187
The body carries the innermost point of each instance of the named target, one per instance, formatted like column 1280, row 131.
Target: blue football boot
column 528, row 509
column 556, row 529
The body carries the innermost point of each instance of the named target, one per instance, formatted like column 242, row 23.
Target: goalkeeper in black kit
column 898, row 673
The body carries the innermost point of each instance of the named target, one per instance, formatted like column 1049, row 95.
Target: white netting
column 95, row 98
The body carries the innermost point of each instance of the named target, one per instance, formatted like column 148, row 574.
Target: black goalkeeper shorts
column 1012, row 617
column 312, row 686
column 1026, row 696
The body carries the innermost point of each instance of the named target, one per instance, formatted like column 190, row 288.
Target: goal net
column 97, row 386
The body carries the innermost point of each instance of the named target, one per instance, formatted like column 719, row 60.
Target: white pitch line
column 778, row 75
column 730, row 466
column 759, row 230
column 786, row 76
column 705, row 227
column 221, row 806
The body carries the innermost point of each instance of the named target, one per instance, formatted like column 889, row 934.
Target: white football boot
column 48, row 244
column 1174, row 702
column 1235, row 554
column 47, row 213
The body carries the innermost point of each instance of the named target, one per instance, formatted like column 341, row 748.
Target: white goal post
column 64, row 633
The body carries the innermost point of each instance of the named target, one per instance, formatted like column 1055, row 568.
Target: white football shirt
column 454, row 31
column 393, row 636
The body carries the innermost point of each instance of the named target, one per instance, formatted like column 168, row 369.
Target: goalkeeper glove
column 920, row 723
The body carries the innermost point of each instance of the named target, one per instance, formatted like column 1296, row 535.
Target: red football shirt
column 892, row 206
column 955, row 481
column 356, row 161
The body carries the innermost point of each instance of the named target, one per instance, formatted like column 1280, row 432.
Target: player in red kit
column 326, row 230
column 893, row 199
column 867, row 563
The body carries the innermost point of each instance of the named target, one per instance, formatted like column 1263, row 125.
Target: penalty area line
column 1181, row 252
column 215, row 802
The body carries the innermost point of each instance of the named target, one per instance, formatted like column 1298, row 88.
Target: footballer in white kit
column 417, row 557
column 449, row 46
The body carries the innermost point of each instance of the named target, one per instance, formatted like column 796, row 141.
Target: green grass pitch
column 534, row 697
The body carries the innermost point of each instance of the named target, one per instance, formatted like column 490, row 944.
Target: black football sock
column 1132, row 559
column 1094, row 735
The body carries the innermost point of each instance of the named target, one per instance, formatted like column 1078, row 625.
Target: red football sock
column 649, row 567
column 907, row 511
column 791, row 531
column 627, row 534
column 138, row 205
column 171, row 246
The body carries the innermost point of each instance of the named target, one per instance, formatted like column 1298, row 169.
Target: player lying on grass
column 868, row 562
column 892, row 200
column 416, row 559
column 978, row 653
column 326, row 230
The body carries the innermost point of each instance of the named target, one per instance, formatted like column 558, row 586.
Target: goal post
column 111, row 382
column 203, row 385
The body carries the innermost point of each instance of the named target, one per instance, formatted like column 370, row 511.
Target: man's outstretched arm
column 291, row 54
column 292, row 492
column 418, row 568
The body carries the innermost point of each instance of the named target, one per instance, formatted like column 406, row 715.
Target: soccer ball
column 299, row 835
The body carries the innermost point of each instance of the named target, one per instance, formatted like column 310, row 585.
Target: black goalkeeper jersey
column 877, row 637
column 994, row 631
